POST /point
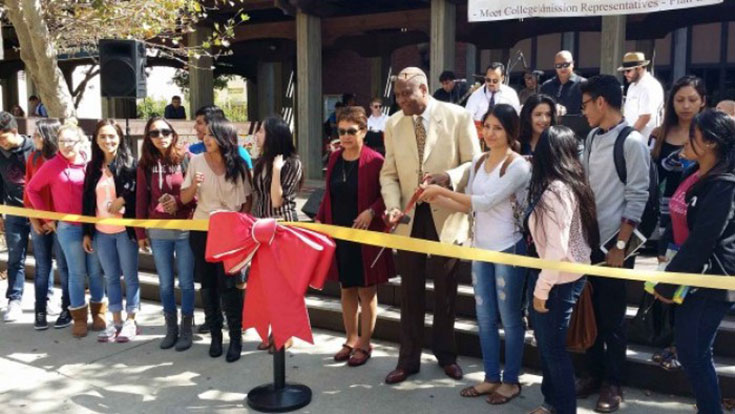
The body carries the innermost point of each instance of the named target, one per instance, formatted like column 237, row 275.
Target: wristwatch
column 620, row 245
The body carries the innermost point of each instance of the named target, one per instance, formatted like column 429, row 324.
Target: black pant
column 217, row 287
column 606, row 358
column 413, row 269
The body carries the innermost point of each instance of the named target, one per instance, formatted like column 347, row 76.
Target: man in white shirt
column 494, row 92
column 376, row 121
column 644, row 101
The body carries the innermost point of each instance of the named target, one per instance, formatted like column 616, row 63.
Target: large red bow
column 285, row 261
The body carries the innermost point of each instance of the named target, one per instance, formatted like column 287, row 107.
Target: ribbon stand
column 279, row 396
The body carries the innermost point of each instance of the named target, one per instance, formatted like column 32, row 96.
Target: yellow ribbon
column 393, row 241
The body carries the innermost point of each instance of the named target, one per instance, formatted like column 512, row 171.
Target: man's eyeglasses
column 492, row 80
column 584, row 103
column 377, row 106
column 156, row 133
column 351, row 131
column 563, row 65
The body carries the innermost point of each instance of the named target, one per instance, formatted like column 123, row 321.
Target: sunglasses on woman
column 351, row 131
column 157, row 133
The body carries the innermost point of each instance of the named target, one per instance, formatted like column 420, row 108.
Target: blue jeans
column 81, row 265
column 164, row 251
column 44, row 246
column 550, row 330
column 119, row 256
column 695, row 327
column 16, row 238
column 498, row 297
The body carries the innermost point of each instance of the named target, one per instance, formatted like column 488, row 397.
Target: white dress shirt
column 377, row 123
column 479, row 101
column 645, row 97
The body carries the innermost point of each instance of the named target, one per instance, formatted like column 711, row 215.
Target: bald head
column 564, row 65
column 412, row 91
column 727, row 106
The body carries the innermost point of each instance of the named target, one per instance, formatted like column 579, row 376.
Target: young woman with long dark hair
column 45, row 242
column 707, row 249
column 161, row 171
column 537, row 114
column 277, row 178
column 109, row 191
column 495, row 194
column 563, row 223
column 64, row 177
column 221, row 181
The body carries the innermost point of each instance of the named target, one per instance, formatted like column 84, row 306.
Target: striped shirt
column 290, row 178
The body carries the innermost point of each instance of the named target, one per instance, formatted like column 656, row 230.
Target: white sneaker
column 52, row 307
column 109, row 334
column 13, row 312
column 129, row 331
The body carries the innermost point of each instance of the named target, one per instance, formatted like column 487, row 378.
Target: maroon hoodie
column 159, row 180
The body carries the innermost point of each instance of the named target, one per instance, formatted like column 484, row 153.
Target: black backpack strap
column 619, row 154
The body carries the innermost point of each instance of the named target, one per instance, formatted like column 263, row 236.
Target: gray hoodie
column 613, row 199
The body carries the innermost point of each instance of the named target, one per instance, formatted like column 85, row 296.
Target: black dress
column 343, row 189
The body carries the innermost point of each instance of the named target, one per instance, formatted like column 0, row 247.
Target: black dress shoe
column 584, row 387
column 610, row 398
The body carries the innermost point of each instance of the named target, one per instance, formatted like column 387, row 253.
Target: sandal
column 472, row 392
column 344, row 353
column 671, row 363
column 359, row 357
column 498, row 399
column 664, row 354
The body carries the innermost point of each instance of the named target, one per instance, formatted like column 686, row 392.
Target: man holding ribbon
column 427, row 141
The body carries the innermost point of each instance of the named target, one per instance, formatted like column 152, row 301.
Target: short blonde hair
column 72, row 125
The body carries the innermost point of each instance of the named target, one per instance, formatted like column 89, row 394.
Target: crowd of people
column 536, row 190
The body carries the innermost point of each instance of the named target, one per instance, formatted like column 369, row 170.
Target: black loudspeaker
column 122, row 69
column 311, row 207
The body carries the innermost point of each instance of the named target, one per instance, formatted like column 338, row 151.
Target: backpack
column 649, row 220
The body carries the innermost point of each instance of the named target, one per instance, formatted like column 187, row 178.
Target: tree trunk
column 39, row 55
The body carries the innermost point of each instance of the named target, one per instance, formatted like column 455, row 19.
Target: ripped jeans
column 498, row 298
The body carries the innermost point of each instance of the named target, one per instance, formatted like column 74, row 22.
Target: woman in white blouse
column 220, row 181
column 494, row 196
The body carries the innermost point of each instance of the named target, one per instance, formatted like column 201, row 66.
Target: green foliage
column 150, row 107
column 235, row 113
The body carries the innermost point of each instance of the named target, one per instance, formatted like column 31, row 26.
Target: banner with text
column 489, row 10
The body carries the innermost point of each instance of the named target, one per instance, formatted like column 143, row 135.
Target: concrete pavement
column 51, row 372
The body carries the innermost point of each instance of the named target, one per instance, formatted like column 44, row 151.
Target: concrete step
column 326, row 313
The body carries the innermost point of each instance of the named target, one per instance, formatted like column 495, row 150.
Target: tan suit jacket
column 451, row 143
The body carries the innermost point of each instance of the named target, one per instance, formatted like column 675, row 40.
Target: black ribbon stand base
column 279, row 397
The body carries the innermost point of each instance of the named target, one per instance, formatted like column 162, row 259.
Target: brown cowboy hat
column 633, row 60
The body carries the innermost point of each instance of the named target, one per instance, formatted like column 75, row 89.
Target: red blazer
column 368, row 196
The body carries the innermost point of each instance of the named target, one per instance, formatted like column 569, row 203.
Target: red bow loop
column 285, row 261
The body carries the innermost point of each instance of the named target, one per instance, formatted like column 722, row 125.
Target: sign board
column 490, row 10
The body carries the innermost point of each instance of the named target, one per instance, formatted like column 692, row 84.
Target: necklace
column 345, row 171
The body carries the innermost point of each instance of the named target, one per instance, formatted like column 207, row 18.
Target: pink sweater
column 559, row 236
column 66, row 182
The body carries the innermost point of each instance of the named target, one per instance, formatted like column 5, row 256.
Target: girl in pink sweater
column 64, row 175
column 562, row 221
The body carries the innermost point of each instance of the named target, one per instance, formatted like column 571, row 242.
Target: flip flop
column 498, row 399
column 472, row 392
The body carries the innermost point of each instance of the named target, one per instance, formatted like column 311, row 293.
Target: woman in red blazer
column 352, row 199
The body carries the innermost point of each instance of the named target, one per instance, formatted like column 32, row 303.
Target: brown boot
column 99, row 312
column 79, row 316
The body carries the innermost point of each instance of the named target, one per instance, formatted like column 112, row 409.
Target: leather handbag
column 582, row 331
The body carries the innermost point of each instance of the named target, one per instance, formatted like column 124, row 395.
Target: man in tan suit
column 432, row 141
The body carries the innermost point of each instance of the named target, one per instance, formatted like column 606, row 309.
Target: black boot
column 213, row 319
column 233, row 309
column 172, row 331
